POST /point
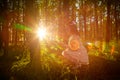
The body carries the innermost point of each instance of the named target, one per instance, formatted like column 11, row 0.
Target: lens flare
column 41, row 33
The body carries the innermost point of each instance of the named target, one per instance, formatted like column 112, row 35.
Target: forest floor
column 99, row 69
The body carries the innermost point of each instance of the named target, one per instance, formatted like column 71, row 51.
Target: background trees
column 93, row 20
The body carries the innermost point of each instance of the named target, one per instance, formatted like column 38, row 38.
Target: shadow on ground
column 99, row 69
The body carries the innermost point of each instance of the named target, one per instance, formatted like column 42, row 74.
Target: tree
column 5, row 26
column 30, row 19
column 96, row 20
column 116, row 19
column 108, row 26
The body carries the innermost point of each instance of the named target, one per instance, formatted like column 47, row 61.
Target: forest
column 33, row 34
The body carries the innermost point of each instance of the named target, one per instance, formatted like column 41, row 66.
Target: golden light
column 90, row 45
column 41, row 33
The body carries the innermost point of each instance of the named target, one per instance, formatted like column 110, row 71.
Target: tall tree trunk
column 64, row 19
column 60, row 20
column 108, row 26
column 84, row 18
column 30, row 20
column 46, row 12
column 116, row 22
column 96, row 22
column 0, row 40
column 101, row 31
column 15, row 20
column 119, row 23
column 5, row 31
column 91, row 30
column 85, row 31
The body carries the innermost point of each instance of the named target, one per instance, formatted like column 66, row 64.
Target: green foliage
column 22, row 56
column 51, row 61
column 51, row 64
column 109, row 51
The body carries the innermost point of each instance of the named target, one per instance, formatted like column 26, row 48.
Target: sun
column 41, row 33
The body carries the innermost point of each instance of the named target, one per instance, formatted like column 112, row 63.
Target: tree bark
column 96, row 22
column 33, row 42
column 116, row 22
column 108, row 26
column 84, row 18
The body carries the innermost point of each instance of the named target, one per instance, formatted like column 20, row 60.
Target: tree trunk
column 116, row 22
column 0, row 39
column 33, row 42
column 101, row 31
column 84, row 18
column 96, row 22
column 5, row 31
column 91, row 30
column 108, row 26
column 64, row 20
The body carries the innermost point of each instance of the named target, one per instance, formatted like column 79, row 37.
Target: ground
column 99, row 69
